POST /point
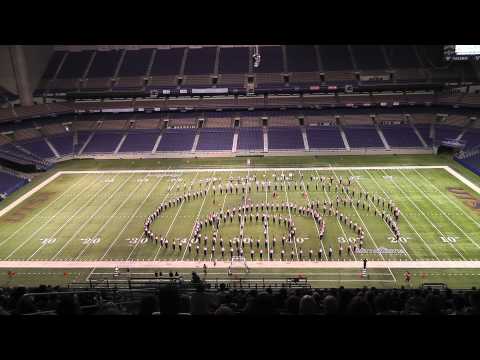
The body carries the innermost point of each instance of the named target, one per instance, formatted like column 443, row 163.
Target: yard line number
column 48, row 241
column 90, row 241
column 449, row 239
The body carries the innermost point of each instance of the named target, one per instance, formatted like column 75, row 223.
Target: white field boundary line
column 449, row 200
column 233, row 273
column 405, row 217
column 112, row 216
column 423, row 214
column 439, row 209
column 316, row 225
column 30, row 193
column 252, row 264
column 366, row 228
column 375, row 206
column 80, row 229
column 339, row 168
column 43, row 210
column 54, row 216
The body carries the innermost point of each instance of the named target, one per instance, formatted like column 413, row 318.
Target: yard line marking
column 370, row 200
column 63, row 225
column 404, row 216
column 178, row 212
column 268, row 227
column 425, row 216
column 366, row 228
column 87, row 246
column 289, row 212
column 54, row 216
column 338, row 223
column 433, row 203
column 198, row 215
column 223, row 206
column 450, row 200
column 128, row 222
column 45, row 208
column 91, row 217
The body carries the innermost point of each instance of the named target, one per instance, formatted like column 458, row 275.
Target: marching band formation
column 272, row 214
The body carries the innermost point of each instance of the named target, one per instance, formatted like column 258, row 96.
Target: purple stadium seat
column 400, row 136
column 75, row 64
column 200, row 61
column 324, row 137
column 103, row 142
column 9, row 183
column 140, row 141
column 233, row 60
column 177, row 140
column 363, row 136
column 215, row 139
column 250, row 139
column 63, row 144
column 285, row 138
column 38, row 147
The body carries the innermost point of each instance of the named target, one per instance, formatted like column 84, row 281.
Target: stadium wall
column 205, row 154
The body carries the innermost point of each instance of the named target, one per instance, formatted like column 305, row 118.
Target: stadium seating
column 324, row 137
column 285, row 138
column 232, row 66
column 9, row 183
column 62, row 143
column 424, row 130
column 177, row 140
column 102, row 70
column 400, row 136
column 363, row 136
column 38, row 147
column 139, row 141
column 215, row 139
column 72, row 70
column 471, row 138
column 443, row 132
column 133, row 69
column 250, row 138
column 103, row 142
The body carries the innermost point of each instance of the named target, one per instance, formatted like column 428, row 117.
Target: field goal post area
column 238, row 262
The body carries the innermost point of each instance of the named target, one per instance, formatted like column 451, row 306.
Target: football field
column 93, row 221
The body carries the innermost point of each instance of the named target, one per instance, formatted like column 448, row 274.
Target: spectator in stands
column 308, row 306
column 262, row 305
column 68, row 305
column 474, row 300
column 200, row 302
column 292, row 304
column 169, row 301
column 330, row 305
column 224, row 310
column 148, row 305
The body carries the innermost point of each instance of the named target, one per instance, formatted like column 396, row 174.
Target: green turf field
column 88, row 217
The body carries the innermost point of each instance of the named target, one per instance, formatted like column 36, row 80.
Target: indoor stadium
column 240, row 179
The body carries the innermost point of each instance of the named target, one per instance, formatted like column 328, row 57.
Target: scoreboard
column 462, row 52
